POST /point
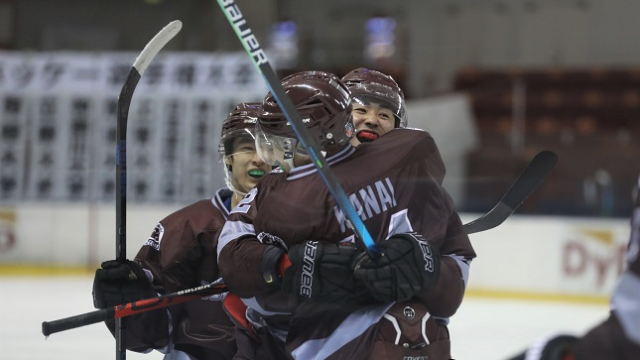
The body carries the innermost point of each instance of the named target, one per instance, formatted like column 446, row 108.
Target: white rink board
column 547, row 255
column 550, row 255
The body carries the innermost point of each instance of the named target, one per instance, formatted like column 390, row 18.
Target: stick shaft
column 136, row 307
column 72, row 322
column 251, row 45
column 124, row 101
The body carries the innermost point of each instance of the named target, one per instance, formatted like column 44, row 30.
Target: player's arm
column 245, row 263
column 117, row 283
column 241, row 263
column 431, row 265
column 456, row 253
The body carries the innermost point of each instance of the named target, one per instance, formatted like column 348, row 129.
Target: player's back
column 394, row 183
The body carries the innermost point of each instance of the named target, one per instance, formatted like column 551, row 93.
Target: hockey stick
column 530, row 178
column 136, row 307
column 124, row 101
column 251, row 45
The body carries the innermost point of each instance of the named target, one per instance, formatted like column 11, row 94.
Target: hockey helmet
column 241, row 122
column 369, row 86
column 323, row 103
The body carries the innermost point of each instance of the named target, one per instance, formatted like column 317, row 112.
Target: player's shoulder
column 204, row 205
column 407, row 141
column 272, row 179
column 414, row 135
column 201, row 211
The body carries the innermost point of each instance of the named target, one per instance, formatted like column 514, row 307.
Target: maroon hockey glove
column 409, row 265
column 323, row 272
column 120, row 282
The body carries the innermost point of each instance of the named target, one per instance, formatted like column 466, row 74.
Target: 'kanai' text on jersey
column 369, row 201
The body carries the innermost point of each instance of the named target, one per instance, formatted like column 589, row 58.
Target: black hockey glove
column 120, row 282
column 272, row 266
column 323, row 272
column 409, row 265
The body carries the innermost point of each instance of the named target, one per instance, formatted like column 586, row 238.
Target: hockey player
column 180, row 254
column 377, row 104
column 616, row 338
column 289, row 253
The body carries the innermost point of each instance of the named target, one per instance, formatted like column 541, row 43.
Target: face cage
column 394, row 104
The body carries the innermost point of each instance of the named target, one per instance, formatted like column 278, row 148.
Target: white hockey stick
column 124, row 101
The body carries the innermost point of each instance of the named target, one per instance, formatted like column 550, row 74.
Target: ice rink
column 483, row 329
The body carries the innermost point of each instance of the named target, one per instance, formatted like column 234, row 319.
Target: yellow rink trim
column 56, row 270
column 44, row 270
column 537, row 296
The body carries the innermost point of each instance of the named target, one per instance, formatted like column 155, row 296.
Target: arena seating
column 590, row 117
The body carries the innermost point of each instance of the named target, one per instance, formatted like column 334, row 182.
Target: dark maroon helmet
column 324, row 105
column 368, row 85
column 241, row 121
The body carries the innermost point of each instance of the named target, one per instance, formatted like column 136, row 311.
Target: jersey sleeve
column 625, row 301
column 239, row 250
column 440, row 223
column 618, row 337
column 456, row 254
column 178, row 254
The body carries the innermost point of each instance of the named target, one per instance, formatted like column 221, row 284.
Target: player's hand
column 322, row 271
column 118, row 282
column 408, row 265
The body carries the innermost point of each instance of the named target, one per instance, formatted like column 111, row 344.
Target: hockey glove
column 273, row 264
column 118, row 283
column 323, row 272
column 409, row 265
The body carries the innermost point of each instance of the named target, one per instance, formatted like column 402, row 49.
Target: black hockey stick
column 530, row 178
column 251, row 45
column 136, row 307
column 124, row 101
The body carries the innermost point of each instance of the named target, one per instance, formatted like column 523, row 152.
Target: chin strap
column 290, row 146
column 289, row 163
column 228, row 176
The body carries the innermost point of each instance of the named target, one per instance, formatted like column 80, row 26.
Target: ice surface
column 483, row 329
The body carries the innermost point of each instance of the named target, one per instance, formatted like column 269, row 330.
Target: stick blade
column 531, row 177
column 156, row 44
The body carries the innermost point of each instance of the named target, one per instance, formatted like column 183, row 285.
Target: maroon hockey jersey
column 395, row 184
column 619, row 336
column 180, row 254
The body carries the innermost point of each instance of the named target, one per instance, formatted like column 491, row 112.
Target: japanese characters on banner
column 58, row 115
column 15, row 75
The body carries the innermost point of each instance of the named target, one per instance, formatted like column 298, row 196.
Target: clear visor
column 367, row 94
column 366, row 100
column 275, row 150
column 227, row 148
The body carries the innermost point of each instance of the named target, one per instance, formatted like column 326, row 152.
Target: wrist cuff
column 270, row 264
